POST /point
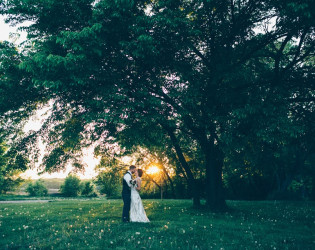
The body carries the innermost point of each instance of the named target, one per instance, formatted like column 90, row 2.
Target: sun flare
column 152, row 170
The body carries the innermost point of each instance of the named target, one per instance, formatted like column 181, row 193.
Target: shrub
column 110, row 183
column 37, row 189
column 71, row 187
column 88, row 189
column 11, row 165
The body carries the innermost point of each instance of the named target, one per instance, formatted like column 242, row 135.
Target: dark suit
column 126, row 195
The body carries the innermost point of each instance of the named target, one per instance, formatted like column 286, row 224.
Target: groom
column 126, row 192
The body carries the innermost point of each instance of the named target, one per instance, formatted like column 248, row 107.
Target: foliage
column 71, row 187
column 53, row 183
column 37, row 189
column 110, row 184
column 97, row 224
column 16, row 88
column 11, row 165
column 110, row 178
column 213, row 78
column 18, row 98
column 88, row 189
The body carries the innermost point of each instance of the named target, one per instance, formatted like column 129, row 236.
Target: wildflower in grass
column 137, row 233
column 165, row 226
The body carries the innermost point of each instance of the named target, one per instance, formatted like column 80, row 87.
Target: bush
column 37, row 189
column 89, row 189
column 110, row 183
column 71, row 187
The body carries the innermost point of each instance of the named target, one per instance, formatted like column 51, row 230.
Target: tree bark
column 214, row 186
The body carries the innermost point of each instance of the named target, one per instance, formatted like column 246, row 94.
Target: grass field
column 96, row 224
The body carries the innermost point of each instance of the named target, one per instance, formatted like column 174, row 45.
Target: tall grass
column 96, row 224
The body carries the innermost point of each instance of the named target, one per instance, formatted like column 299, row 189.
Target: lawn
column 96, row 224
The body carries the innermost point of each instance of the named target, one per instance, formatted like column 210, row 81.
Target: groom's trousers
column 126, row 208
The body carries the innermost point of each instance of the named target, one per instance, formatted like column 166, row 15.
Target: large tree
column 193, row 68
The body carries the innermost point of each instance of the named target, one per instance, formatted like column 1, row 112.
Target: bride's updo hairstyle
column 140, row 172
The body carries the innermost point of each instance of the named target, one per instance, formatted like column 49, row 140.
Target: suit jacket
column 126, row 191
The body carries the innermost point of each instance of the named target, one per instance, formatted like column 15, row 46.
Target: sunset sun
column 153, row 170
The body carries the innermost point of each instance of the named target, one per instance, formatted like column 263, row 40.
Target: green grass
column 96, row 224
column 13, row 197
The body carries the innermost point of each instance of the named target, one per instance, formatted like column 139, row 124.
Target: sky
column 5, row 31
column 35, row 123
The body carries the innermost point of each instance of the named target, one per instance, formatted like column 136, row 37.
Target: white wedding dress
column 137, row 213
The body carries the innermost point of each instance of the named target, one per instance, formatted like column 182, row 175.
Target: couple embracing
column 133, row 210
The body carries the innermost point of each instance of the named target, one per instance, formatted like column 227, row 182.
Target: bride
column 137, row 213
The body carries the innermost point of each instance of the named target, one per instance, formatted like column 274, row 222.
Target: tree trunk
column 214, row 191
column 214, row 186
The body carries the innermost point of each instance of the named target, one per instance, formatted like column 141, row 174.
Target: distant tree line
column 71, row 187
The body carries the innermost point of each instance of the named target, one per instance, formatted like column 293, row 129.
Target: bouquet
column 133, row 182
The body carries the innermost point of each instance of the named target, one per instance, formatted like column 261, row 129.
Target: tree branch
column 280, row 53
column 297, row 60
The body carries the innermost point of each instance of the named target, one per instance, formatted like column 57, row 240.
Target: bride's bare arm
column 138, row 184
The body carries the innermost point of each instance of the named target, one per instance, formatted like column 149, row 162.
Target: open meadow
column 96, row 224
